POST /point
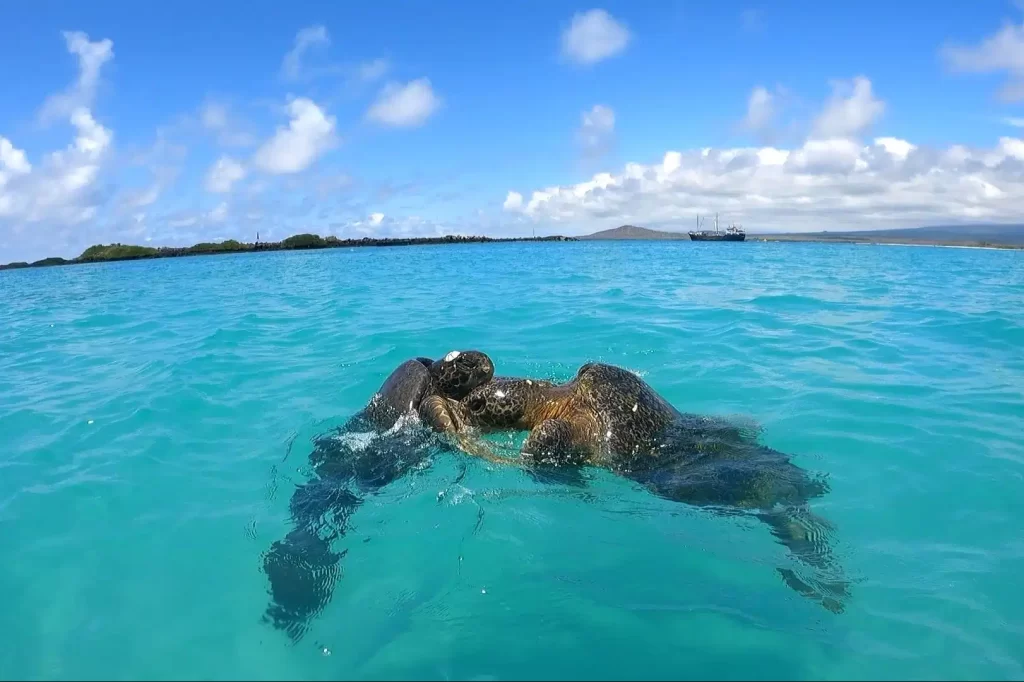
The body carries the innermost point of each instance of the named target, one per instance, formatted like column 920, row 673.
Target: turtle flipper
column 444, row 416
column 437, row 413
column 805, row 535
column 301, row 568
column 755, row 480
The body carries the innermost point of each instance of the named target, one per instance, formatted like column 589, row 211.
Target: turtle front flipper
column 443, row 416
column 436, row 413
column 476, row 447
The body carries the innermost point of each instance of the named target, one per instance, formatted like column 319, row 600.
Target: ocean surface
column 156, row 416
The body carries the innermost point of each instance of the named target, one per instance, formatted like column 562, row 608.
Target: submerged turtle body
column 607, row 416
column 301, row 567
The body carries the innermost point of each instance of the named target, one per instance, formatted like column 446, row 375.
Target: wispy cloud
column 750, row 19
column 760, row 109
column 373, row 70
column 217, row 119
column 223, row 175
column 305, row 39
column 597, row 130
column 91, row 58
column 1003, row 51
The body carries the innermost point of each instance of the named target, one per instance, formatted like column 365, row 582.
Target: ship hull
column 716, row 237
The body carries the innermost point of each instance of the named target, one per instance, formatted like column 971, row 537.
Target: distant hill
column 996, row 234
column 634, row 232
column 973, row 235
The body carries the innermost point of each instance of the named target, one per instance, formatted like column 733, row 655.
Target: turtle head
column 459, row 372
column 506, row 403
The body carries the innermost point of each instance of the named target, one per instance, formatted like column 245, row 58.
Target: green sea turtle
column 373, row 448
column 609, row 417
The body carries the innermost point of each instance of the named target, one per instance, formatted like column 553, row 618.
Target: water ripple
column 146, row 409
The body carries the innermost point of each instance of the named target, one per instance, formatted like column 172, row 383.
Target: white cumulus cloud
column 12, row 161
column 513, row 201
column 406, row 105
column 376, row 218
column 824, row 184
column 309, row 134
column 224, row 174
column 63, row 188
column 832, row 181
column 593, row 36
column 1001, row 51
column 850, row 110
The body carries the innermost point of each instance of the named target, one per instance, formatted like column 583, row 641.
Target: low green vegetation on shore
column 115, row 252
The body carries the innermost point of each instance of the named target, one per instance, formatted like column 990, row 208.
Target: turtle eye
column 476, row 404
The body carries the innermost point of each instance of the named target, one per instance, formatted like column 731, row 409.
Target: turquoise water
column 156, row 416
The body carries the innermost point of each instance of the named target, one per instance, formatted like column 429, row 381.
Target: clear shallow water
column 155, row 416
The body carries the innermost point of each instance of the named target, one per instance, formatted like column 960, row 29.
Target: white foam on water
column 357, row 440
column 456, row 495
column 410, row 418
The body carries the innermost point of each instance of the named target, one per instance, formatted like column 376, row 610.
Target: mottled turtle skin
column 301, row 567
column 609, row 417
column 605, row 416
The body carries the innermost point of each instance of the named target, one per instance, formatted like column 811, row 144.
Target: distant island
column 1001, row 236
column 117, row 252
column 985, row 235
column 634, row 232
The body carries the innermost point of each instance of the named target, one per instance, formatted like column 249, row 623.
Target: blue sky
column 175, row 123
